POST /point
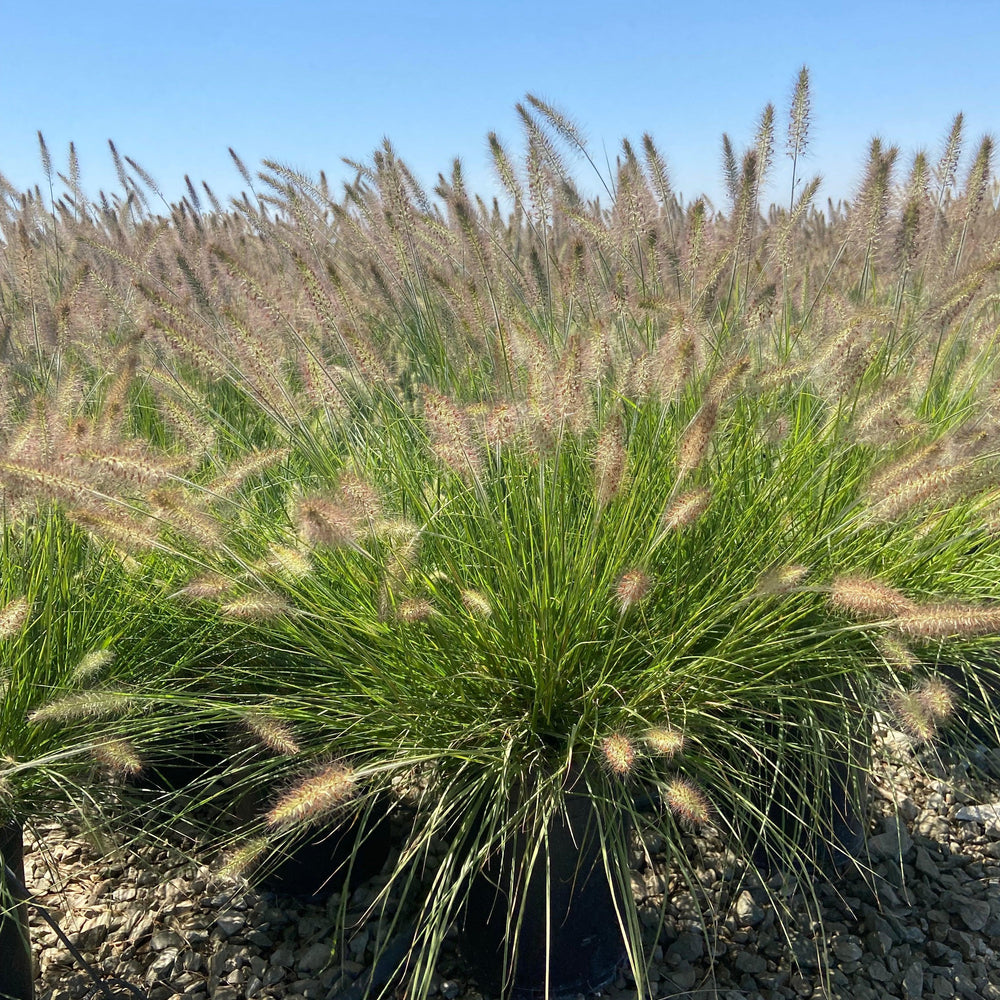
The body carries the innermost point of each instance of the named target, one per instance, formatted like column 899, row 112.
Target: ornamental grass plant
column 666, row 503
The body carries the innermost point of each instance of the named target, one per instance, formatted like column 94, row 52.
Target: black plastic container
column 585, row 946
column 15, row 946
column 322, row 863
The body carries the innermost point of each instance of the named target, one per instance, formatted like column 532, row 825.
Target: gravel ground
column 919, row 918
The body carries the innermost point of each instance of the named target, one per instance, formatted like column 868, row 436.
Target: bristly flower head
column 914, row 716
column 324, row 522
column 13, row 617
column 91, row 665
column 244, row 859
column 273, row 734
column 476, row 604
column 288, row 561
column 686, row 509
column 414, row 609
column 261, row 606
column 619, row 753
column 207, row 587
column 687, row 802
column 450, row 435
column 633, row 585
column 665, row 741
column 119, row 756
column 313, row 797
column 693, row 445
column 610, row 461
column 896, row 653
column 937, row 697
column 781, row 580
column 867, row 598
column 940, row 621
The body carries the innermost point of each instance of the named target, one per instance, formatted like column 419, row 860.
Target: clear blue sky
column 307, row 82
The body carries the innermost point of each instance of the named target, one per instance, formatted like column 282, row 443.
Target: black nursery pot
column 322, row 864
column 585, row 946
column 15, row 946
column 797, row 804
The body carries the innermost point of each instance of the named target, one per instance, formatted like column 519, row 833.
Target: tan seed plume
column 313, row 797
column 619, row 753
column 632, row 587
column 867, row 598
column 13, row 617
column 940, row 621
column 686, row 509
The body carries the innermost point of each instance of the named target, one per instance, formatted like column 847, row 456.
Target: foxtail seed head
column 313, row 797
column 81, row 705
column 782, row 579
column 686, row 509
column 668, row 742
column 939, row 621
column 13, row 617
column 610, row 461
column 205, row 588
column 687, row 802
column 288, row 561
column 476, row 604
column 119, row 756
column 414, row 609
column 273, row 734
column 244, row 859
column 938, row 698
column 619, row 753
column 91, row 665
column 867, row 598
column 632, row 587
column 914, row 716
column 323, row 522
column 693, row 446
column 261, row 606
column 896, row 653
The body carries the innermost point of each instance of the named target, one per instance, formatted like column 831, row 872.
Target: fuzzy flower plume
column 896, row 653
column 940, row 621
column 288, row 562
column 686, row 509
column 693, row 445
column 116, row 528
column 450, row 435
column 610, row 461
column 937, row 698
column 359, row 497
column 414, row 609
column 633, row 585
column 502, row 425
column 261, row 606
column 13, row 617
column 476, row 604
column 245, row 858
column 207, row 587
column 324, row 522
column 119, row 756
column 273, row 734
column 619, row 753
column 250, row 465
column 781, row 580
column 913, row 716
column 867, row 598
column 313, row 797
column 687, row 802
column 83, row 705
column 91, row 665
column 665, row 741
